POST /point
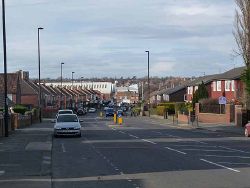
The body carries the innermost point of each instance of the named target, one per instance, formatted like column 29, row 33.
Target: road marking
column 175, row 150
column 63, row 148
column 133, row 136
column 233, row 149
column 2, row 172
column 113, row 128
column 47, row 157
column 156, row 132
column 46, row 162
column 208, row 150
column 195, row 146
column 234, row 163
column 148, row 141
column 222, row 166
column 122, row 132
column 224, row 156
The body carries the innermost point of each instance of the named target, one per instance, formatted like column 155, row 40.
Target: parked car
column 66, row 111
column 67, row 124
column 81, row 112
column 247, row 130
column 109, row 112
column 120, row 113
column 92, row 110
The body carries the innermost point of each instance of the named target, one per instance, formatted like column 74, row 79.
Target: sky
column 108, row 38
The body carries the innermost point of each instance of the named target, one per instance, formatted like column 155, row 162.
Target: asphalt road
column 142, row 153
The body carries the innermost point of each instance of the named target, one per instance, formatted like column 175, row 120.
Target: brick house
column 227, row 84
column 19, row 89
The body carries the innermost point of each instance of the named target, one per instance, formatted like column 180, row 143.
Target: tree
column 200, row 93
column 242, row 36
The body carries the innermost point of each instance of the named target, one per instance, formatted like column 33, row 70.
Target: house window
column 185, row 97
column 214, row 86
column 190, row 90
column 218, row 85
column 105, row 85
column 233, row 85
column 227, row 85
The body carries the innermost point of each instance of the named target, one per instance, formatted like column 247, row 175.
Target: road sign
column 222, row 100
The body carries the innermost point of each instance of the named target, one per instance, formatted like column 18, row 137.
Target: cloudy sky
column 98, row 38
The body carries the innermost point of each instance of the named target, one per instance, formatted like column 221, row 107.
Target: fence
column 212, row 108
column 16, row 121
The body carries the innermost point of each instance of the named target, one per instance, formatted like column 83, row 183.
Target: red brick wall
column 30, row 99
column 183, row 118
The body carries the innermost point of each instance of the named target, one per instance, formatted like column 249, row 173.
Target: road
column 142, row 153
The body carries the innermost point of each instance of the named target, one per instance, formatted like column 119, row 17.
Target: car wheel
column 246, row 132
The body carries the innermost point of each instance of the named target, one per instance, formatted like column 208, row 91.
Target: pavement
column 226, row 128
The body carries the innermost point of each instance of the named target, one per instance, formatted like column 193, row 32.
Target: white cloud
column 162, row 67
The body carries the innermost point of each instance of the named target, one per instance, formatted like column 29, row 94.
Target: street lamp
column 6, row 112
column 61, row 86
column 72, row 79
column 81, row 81
column 39, row 73
column 148, row 87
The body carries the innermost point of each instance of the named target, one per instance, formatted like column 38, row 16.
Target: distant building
column 128, row 94
column 105, row 88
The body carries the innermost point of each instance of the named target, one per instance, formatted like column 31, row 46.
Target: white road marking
column 175, row 150
column 47, row 157
column 148, row 141
column 222, row 166
column 233, row 149
column 133, row 136
column 122, row 132
column 156, row 132
column 46, row 162
column 170, row 135
column 2, row 172
column 63, row 148
column 225, row 156
column 208, row 150
column 113, row 129
column 234, row 163
column 194, row 146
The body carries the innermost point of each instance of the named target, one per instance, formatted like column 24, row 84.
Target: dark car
column 81, row 112
column 109, row 112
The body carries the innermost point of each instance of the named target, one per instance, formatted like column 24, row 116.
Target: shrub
column 20, row 109
column 170, row 107
column 160, row 110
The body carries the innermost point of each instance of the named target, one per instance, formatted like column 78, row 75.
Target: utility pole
column 6, row 108
column 148, row 87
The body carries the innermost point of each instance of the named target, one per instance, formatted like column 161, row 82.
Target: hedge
column 170, row 107
column 20, row 109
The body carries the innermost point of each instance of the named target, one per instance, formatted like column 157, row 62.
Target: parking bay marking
column 148, row 141
column 222, row 166
column 175, row 150
column 225, row 156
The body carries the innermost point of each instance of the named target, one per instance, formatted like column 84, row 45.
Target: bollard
column 115, row 120
column 101, row 114
column 119, row 120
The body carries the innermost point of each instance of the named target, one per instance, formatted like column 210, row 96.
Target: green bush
column 183, row 107
column 170, row 107
column 20, row 109
column 136, row 110
column 160, row 110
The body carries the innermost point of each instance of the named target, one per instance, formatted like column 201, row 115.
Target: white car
column 67, row 124
column 66, row 111
column 92, row 110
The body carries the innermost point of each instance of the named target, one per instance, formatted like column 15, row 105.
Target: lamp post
column 72, row 79
column 81, row 81
column 39, row 74
column 6, row 112
column 61, row 87
column 148, row 86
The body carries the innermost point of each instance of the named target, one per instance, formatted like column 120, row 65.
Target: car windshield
column 65, row 112
column 110, row 110
column 67, row 118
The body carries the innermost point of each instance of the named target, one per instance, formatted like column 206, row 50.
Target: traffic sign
column 222, row 100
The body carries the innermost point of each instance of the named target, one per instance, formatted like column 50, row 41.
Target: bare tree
column 242, row 36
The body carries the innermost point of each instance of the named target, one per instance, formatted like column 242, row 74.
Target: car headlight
column 76, row 128
column 58, row 128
